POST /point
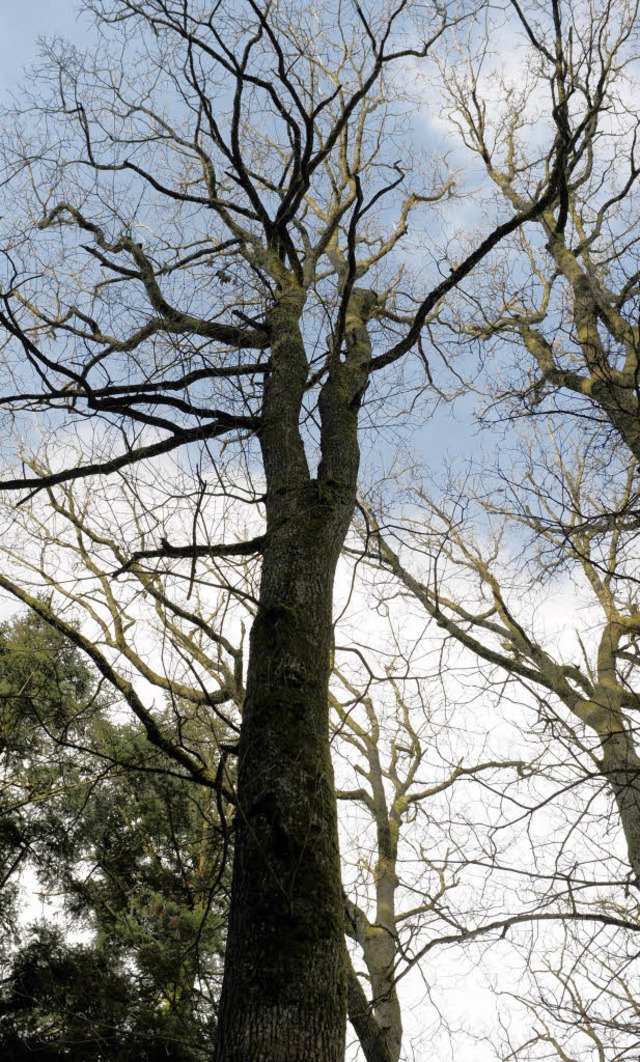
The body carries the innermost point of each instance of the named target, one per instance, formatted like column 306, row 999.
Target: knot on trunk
column 362, row 303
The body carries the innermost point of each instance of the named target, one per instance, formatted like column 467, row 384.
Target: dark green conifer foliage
column 134, row 854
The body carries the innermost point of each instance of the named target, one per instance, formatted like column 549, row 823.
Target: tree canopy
column 240, row 271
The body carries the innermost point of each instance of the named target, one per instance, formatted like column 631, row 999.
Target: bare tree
column 204, row 262
column 497, row 620
column 559, row 346
column 456, row 853
column 559, row 620
column 579, row 1000
column 497, row 564
column 409, row 856
column 571, row 309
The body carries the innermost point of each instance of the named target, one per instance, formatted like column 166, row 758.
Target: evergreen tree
column 134, row 852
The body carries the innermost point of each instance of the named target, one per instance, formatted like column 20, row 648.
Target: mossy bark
column 621, row 767
column 285, row 984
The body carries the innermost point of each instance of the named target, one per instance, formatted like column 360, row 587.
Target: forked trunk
column 284, row 996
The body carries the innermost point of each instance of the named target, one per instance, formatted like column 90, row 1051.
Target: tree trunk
column 284, row 993
column 621, row 768
column 371, row 1037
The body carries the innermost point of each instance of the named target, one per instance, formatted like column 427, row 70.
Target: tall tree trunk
column 284, row 992
column 621, row 767
column 372, row 1038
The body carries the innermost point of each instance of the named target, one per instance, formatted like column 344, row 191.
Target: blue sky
column 22, row 22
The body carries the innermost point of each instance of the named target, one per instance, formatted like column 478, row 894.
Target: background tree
column 507, row 829
column 567, row 313
column 593, row 677
column 134, row 856
column 579, row 1008
column 552, row 509
column 408, row 851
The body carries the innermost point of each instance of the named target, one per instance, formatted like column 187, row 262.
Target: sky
column 23, row 23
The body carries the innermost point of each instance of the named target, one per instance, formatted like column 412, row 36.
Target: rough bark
column 621, row 768
column 371, row 1037
column 378, row 939
column 285, row 985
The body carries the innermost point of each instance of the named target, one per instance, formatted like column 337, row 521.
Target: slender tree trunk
column 284, row 993
column 379, row 1023
column 621, row 768
column 372, row 1038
